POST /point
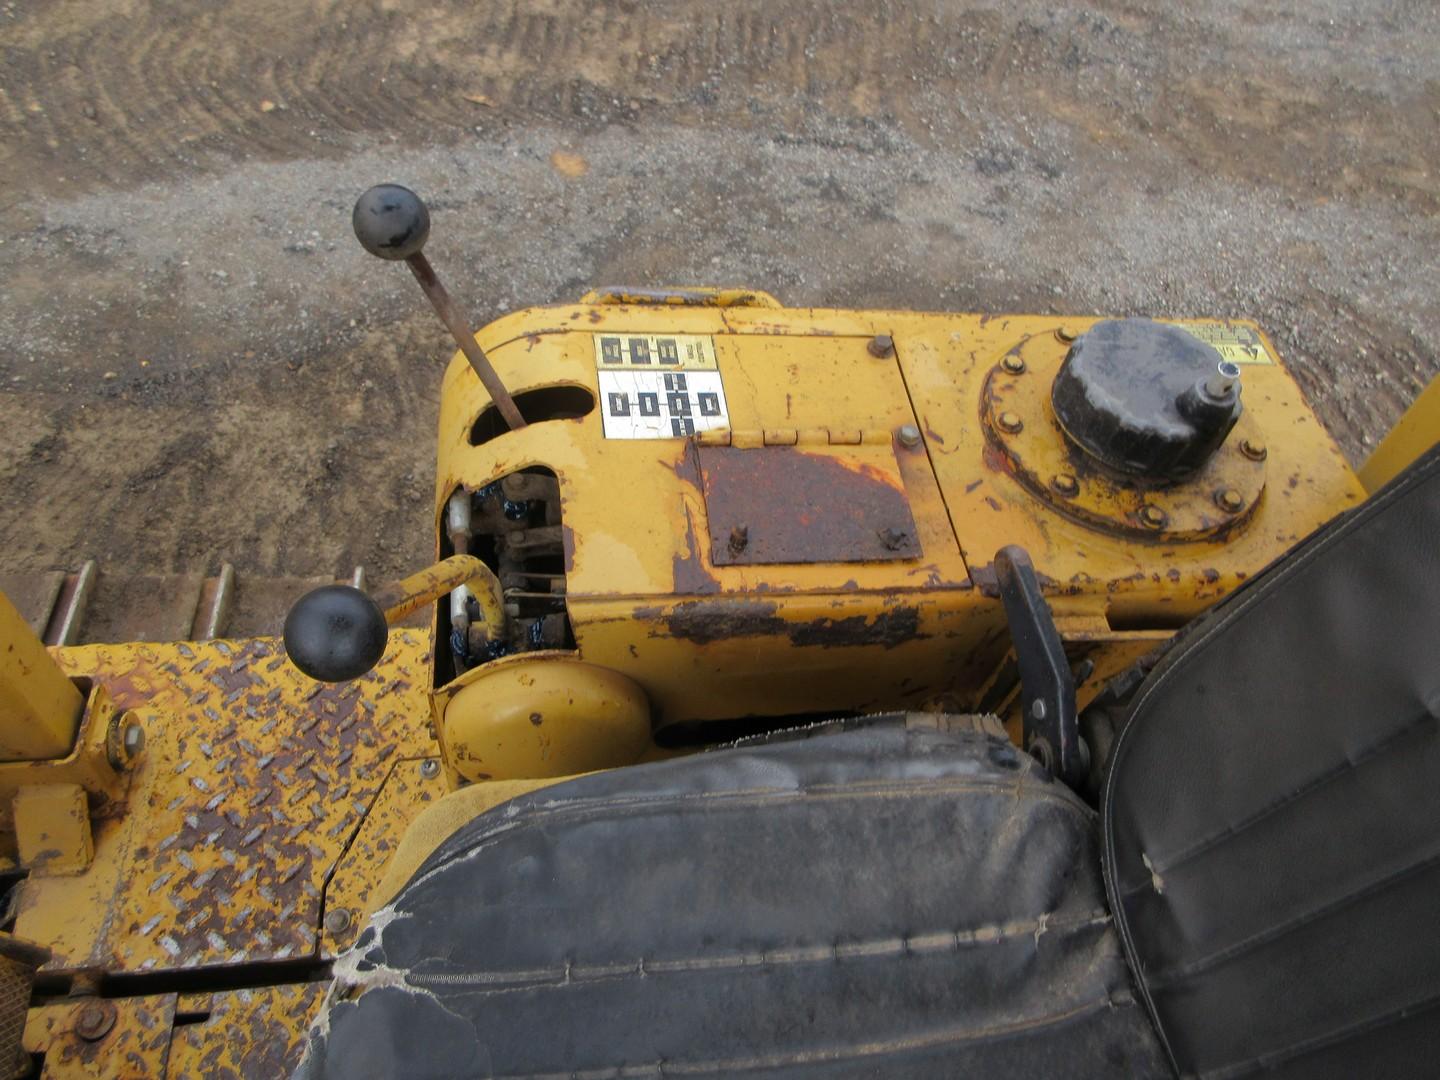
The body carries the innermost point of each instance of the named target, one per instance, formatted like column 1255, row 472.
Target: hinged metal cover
column 813, row 504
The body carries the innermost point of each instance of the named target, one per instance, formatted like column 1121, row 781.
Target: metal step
column 89, row 606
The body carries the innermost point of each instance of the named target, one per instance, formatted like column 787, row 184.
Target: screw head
column 881, row 346
column 1230, row 500
column 1254, row 450
column 1065, row 484
column 95, row 1020
column 337, row 920
column 909, row 436
column 1152, row 517
column 1013, row 364
column 1010, row 422
column 430, row 768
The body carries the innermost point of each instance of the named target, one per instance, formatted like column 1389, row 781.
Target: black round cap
column 391, row 221
column 335, row 633
column 1132, row 394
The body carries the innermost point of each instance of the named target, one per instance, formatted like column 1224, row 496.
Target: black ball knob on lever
column 335, row 633
column 392, row 222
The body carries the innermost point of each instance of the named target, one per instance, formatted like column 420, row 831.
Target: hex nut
column 1255, row 451
column 909, row 436
column 124, row 741
column 430, row 768
column 1013, row 364
column 881, row 346
column 1152, row 517
column 1010, row 423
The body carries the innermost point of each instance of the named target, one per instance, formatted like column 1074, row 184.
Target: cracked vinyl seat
column 891, row 900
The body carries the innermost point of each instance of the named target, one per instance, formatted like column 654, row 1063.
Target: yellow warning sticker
column 1238, row 344
column 654, row 352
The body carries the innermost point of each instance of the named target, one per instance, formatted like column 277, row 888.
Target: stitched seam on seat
column 1374, row 887
column 928, row 1041
column 1200, row 847
column 911, row 945
column 1323, row 1042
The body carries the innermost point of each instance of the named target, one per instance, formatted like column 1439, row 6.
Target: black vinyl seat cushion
column 1272, row 812
column 883, row 901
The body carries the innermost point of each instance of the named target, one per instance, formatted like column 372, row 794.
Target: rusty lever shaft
column 459, row 329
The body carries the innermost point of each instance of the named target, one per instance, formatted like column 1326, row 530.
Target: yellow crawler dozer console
column 664, row 520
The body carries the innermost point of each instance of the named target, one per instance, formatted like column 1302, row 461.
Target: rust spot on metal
column 798, row 506
column 537, row 719
column 707, row 621
column 888, row 629
column 567, row 545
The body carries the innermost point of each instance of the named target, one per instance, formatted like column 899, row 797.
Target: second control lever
column 337, row 632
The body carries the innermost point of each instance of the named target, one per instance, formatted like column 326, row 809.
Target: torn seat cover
column 907, row 898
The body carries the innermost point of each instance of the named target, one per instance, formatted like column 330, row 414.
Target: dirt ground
column 197, row 361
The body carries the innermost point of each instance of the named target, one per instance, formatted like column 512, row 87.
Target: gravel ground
column 197, row 362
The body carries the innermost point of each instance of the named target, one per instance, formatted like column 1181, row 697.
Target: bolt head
column 1254, row 450
column 1010, row 422
column 133, row 740
column 1066, row 334
column 739, row 538
column 1013, row 365
column 1230, row 500
column 95, row 1020
column 909, row 436
column 1065, row 484
column 337, row 920
column 1152, row 517
column 430, row 768
column 881, row 346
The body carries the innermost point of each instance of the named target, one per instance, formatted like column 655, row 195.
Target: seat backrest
column 1272, row 813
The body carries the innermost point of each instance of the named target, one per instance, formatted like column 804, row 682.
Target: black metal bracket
column 1047, row 690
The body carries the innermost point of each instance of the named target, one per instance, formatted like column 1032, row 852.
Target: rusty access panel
column 812, row 504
